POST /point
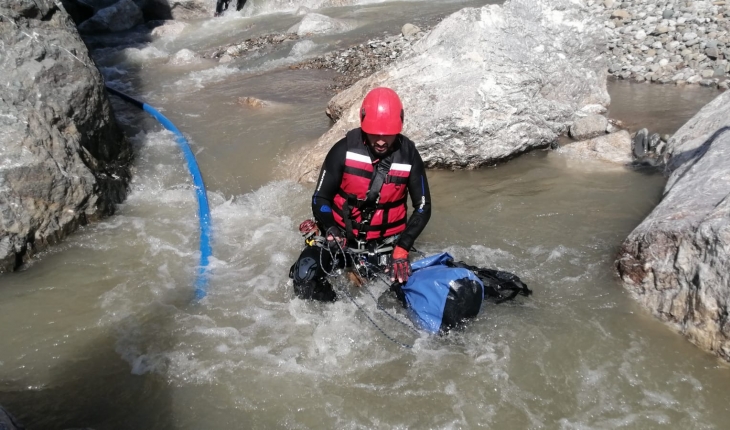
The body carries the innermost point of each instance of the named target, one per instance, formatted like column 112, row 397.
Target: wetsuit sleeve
column 421, row 200
column 328, row 183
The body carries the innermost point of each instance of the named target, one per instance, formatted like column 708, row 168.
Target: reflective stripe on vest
column 389, row 217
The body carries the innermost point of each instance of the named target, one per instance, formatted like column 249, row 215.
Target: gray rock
column 694, row 79
column 712, row 52
column 474, row 94
column 640, row 143
column 653, row 142
column 613, row 148
column 676, row 262
column 621, row 14
column 409, row 31
column 588, row 126
column 120, row 16
column 668, row 13
column 65, row 161
column 660, row 29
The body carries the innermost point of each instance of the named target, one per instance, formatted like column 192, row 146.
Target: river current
column 100, row 332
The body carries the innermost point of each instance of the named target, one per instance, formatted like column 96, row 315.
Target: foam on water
column 198, row 79
column 301, row 48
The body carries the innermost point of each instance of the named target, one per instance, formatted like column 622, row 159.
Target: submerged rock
column 63, row 159
column 676, row 262
column 252, row 102
column 614, row 148
column 486, row 84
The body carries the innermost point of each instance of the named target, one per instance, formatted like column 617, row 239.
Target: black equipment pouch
column 500, row 285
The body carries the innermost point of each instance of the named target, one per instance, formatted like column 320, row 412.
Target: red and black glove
column 335, row 238
column 400, row 267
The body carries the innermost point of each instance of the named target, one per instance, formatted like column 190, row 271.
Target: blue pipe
column 201, row 281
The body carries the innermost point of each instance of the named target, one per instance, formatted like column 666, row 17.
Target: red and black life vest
column 366, row 216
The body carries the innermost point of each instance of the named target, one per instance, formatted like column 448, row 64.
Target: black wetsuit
column 222, row 5
column 308, row 272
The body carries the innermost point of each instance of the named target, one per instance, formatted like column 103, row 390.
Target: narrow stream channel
column 99, row 331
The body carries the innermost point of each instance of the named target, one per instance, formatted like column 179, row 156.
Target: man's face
column 380, row 144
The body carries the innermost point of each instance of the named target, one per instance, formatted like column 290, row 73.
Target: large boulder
column 63, row 160
column 677, row 261
column 486, row 84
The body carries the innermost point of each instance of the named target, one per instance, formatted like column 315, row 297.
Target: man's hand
column 400, row 268
column 335, row 238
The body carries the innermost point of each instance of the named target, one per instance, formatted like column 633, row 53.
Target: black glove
column 400, row 267
column 335, row 238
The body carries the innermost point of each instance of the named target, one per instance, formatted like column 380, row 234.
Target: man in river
column 360, row 201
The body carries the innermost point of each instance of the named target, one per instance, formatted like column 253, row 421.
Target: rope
column 344, row 252
column 201, row 281
column 352, row 299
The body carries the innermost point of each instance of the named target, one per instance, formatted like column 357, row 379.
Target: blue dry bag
column 442, row 294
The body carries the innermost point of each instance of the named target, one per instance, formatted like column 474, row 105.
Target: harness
column 381, row 175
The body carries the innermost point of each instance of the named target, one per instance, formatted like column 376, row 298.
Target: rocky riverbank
column 360, row 61
column 667, row 41
column 675, row 262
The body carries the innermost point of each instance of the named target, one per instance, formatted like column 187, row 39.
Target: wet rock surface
column 63, row 160
column 676, row 262
column 668, row 41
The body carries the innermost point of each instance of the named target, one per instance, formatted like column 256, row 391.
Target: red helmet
column 381, row 112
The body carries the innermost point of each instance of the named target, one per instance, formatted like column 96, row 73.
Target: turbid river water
column 99, row 331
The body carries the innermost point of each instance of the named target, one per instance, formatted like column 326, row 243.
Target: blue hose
column 201, row 281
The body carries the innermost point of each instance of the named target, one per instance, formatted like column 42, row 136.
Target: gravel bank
column 668, row 41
